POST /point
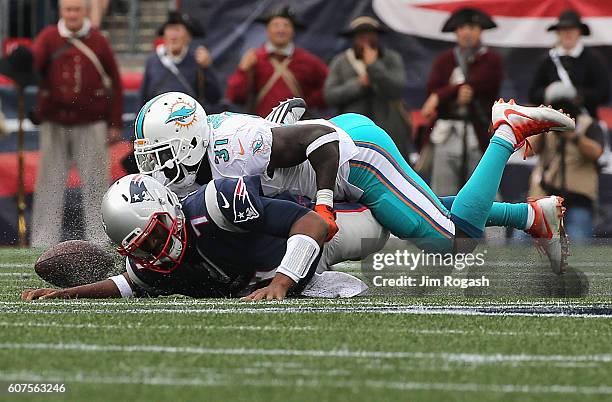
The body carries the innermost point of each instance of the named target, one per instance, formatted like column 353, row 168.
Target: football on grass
column 74, row 263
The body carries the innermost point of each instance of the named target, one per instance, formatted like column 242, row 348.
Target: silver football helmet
column 171, row 137
column 146, row 221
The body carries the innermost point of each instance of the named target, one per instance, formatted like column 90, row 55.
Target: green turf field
column 432, row 348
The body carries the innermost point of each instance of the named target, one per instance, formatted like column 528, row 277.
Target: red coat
column 309, row 71
column 484, row 76
column 71, row 90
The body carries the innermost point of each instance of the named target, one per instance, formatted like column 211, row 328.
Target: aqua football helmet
column 171, row 137
column 145, row 219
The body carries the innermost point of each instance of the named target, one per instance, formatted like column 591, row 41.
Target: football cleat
column 289, row 111
column 548, row 231
column 527, row 121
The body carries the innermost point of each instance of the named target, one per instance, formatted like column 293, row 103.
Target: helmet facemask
column 160, row 246
column 169, row 162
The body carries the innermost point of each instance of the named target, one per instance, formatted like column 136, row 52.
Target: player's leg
column 92, row 162
column 399, row 199
column 512, row 124
column 511, row 215
column 53, row 166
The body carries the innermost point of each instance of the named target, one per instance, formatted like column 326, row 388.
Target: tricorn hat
column 570, row 19
column 19, row 67
column 283, row 12
column 465, row 16
column 177, row 18
column 364, row 23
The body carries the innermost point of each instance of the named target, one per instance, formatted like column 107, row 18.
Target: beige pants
column 446, row 177
column 60, row 145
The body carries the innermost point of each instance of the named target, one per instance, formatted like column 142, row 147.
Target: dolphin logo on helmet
column 171, row 137
column 181, row 115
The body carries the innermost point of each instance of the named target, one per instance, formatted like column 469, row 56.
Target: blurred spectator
column 370, row 79
column 80, row 105
column 177, row 65
column 567, row 166
column 3, row 129
column 277, row 70
column 463, row 84
column 571, row 71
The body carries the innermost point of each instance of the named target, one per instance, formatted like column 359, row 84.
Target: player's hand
column 465, row 94
column 202, row 57
column 248, row 60
column 430, row 106
column 45, row 293
column 329, row 215
column 276, row 290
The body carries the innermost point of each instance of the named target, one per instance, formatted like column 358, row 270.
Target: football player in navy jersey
column 172, row 137
column 224, row 240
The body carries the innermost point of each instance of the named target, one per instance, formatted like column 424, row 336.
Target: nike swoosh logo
column 508, row 112
column 241, row 148
column 225, row 203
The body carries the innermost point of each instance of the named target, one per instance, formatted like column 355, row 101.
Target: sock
column 530, row 217
column 473, row 203
column 517, row 216
column 509, row 215
column 505, row 132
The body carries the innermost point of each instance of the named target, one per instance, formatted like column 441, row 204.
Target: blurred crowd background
column 426, row 71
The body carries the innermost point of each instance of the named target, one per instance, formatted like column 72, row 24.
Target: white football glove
column 289, row 111
column 557, row 91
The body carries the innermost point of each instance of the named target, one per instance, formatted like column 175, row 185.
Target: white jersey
column 241, row 145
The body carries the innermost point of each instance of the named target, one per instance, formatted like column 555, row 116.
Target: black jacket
column 588, row 73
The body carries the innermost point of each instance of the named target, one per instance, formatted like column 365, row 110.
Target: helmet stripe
column 141, row 116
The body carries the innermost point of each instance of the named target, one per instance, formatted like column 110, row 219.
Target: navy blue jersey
column 232, row 233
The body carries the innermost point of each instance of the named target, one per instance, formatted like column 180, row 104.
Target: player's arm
column 305, row 239
column 114, row 287
column 319, row 144
column 304, row 229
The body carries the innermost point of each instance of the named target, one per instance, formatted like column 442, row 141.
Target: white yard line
column 168, row 327
column 38, row 324
column 470, row 358
column 463, row 311
column 237, row 381
column 336, row 303
column 16, row 265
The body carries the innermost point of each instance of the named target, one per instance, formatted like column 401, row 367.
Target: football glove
column 329, row 215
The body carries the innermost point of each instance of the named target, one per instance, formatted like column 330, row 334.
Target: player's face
column 153, row 247
column 280, row 31
column 468, row 35
column 154, row 243
column 160, row 159
column 73, row 13
column 176, row 38
column 569, row 37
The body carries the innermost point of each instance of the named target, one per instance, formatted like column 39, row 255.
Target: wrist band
column 325, row 197
column 122, row 284
column 301, row 252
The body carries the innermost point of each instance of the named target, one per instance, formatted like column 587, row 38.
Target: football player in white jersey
column 350, row 158
column 175, row 156
column 173, row 134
